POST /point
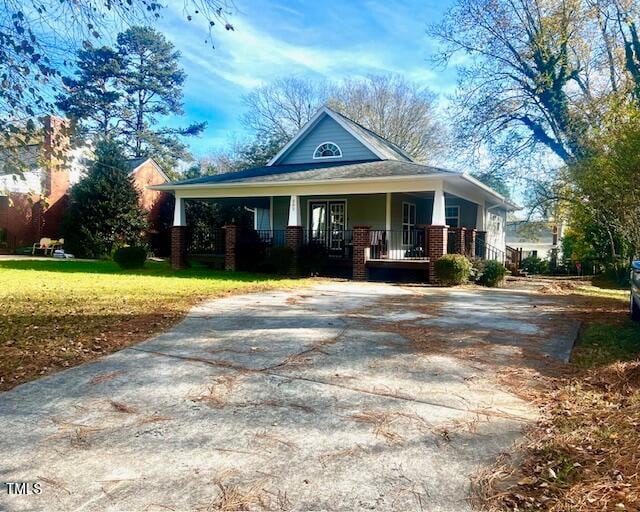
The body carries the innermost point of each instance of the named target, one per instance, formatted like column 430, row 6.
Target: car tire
column 634, row 310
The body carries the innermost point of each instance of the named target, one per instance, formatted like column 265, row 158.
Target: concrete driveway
column 341, row 396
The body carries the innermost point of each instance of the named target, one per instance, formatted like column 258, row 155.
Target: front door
column 327, row 222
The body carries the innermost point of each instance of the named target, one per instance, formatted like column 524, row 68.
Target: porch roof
column 314, row 172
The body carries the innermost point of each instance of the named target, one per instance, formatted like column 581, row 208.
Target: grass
column 55, row 313
column 584, row 452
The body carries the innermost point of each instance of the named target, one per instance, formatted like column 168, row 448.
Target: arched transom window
column 327, row 150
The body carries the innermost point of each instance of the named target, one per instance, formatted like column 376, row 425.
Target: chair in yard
column 43, row 245
column 57, row 244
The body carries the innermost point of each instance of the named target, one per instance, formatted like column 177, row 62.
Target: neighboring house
column 535, row 238
column 365, row 200
column 32, row 205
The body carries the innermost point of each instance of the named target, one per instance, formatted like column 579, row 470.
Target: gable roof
column 135, row 163
column 382, row 148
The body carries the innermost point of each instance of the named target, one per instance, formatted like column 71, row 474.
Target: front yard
column 57, row 314
column 583, row 454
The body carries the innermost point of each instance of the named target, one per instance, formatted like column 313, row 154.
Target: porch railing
column 486, row 251
column 270, row 237
column 337, row 243
column 398, row 245
column 207, row 243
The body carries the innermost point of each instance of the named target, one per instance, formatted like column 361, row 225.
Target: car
column 634, row 302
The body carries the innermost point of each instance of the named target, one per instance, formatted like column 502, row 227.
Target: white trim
column 271, row 213
column 457, row 207
column 415, row 178
column 307, row 127
column 509, row 205
column 326, row 157
column 387, row 219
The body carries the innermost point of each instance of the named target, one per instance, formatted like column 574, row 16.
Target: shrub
column 130, row 257
column 492, row 274
column 313, row 258
column 453, row 269
column 534, row 265
column 104, row 210
column 279, row 260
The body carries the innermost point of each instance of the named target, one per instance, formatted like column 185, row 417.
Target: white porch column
column 388, row 213
column 438, row 217
column 481, row 217
column 294, row 212
column 179, row 217
column 271, row 213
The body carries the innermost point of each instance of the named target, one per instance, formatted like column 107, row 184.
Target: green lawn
column 55, row 314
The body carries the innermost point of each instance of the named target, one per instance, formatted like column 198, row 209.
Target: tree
column 104, row 210
column 399, row 110
column 247, row 154
column 522, row 58
column 94, row 95
column 280, row 109
column 124, row 92
column 152, row 79
column 38, row 39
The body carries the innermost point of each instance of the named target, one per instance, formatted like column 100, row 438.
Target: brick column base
column 436, row 248
column 471, row 243
column 179, row 247
column 459, row 244
column 481, row 237
column 230, row 247
column 361, row 242
column 293, row 236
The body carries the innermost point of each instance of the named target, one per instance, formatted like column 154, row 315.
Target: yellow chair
column 43, row 245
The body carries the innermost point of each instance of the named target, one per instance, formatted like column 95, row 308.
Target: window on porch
column 452, row 216
column 408, row 222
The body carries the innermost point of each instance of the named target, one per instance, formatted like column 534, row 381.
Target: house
column 339, row 186
column 535, row 238
column 32, row 204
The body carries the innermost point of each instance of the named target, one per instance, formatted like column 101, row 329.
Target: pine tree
column 104, row 212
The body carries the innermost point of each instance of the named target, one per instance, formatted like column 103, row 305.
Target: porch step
column 402, row 264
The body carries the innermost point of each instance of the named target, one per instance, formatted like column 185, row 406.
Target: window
column 452, row 216
column 327, row 150
column 408, row 222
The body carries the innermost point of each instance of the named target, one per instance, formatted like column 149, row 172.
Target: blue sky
column 331, row 39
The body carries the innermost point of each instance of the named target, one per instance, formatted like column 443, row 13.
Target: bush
column 492, row 274
column 130, row 257
column 534, row 265
column 278, row 260
column 313, row 258
column 104, row 210
column 453, row 269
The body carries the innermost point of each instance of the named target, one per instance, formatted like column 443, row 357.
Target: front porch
column 355, row 235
